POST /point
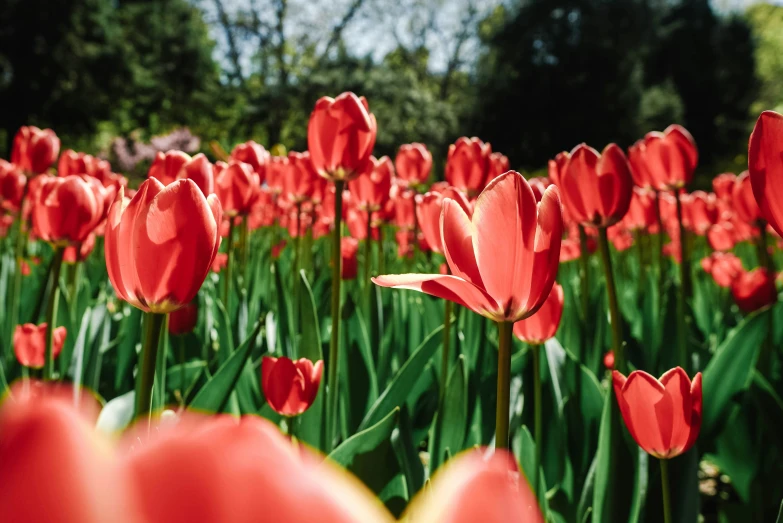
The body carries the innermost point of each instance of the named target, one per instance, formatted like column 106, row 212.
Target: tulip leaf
column 190, row 371
column 369, row 454
column 283, row 317
column 780, row 514
column 225, row 338
column 451, row 421
column 407, row 454
column 527, row 457
column 311, row 423
column 214, row 395
column 396, row 394
column 729, row 372
column 130, row 332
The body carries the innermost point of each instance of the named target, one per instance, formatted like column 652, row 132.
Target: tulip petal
column 644, row 403
column 765, row 163
column 457, row 233
column 678, row 386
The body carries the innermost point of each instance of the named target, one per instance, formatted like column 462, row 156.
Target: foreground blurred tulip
column 12, row 186
column 596, row 188
column 663, row 416
column 290, row 386
column 765, row 163
column 226, row 470
column 30, row 344
column 504, row 260
column 301, row 179
column 535, row 330
column 413, row 163
column 475, row 487
column 467, row 165
column 159, row 249
column 723, row 185
column 753, row 290
column 340, row 137
column 370, row 189
column 35, row 150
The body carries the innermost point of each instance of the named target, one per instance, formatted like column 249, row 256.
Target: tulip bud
column 234, row 187
column 290, row 387
column 543, row 324
column 66, row 210
column 467, row 165
column 254, row 154
column 413, row 163
column 12, row 185
column 670, row 158
column 370, row 190
column 724, row 267
column 754, row 290
column 30, row 344
column 200, row 171
column 348, row 249
column 35, row 150
column 166, row 166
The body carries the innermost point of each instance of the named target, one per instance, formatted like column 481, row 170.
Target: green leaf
column 396, row 394
column 451, row 422
column 369, row 455
column 192, row 372
column 527, row 457
column 311, row 423
column 729, row 371
column 214, row 395
column 130, row 335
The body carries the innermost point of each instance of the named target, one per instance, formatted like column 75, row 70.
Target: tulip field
column 329, row 336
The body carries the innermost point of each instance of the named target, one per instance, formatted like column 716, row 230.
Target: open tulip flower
column 503, row 260
column 663, row 416
column 290, row 387
column 160, row 245
column 30, row 344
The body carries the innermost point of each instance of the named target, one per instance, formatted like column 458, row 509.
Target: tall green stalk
column 584, row 275
column 537, row 429
column 444, row 371
column 227, row 269
column 145, row 376
column 334, row 345
column 504, row 384
column 51, row 313
column 368, row 257
column 667, row 507
column 659, row 249
column 614, row 310
column 685, row 269
column 21, row 240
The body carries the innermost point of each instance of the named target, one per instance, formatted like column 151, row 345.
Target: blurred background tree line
column 533, row 77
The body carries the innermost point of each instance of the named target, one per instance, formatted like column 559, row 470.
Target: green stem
column 145, row 376
column 368, row 252
column 380, row 250
column 181, row 350
column 51, row 313
column 682, row 327
column 584, row 262
column 334, row 345
column 227, row 270
column 504, row 384
column 667, row 508
column 444, row 371
column 537, row 418
column 21, row 240
column 638, row 237
column 614, row 310
column 660, row 247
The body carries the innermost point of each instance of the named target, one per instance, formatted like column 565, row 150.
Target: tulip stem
column 537, row 429
column 334, row 345
column 51, row 313
column 227, row 270
column 444, row 371
column 614, row 309
column 660, row 247
column 21, row 238
column 682, row 328
column 380, row 250
column 145, row 376
column 667, row 509
column 182, row 387
column 504, row 384
column 584, row 261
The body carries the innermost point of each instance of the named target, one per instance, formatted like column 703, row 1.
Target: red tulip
column 413, row 163
column 161, row 245
column 467, row 165
column 72, row 255
column 404, row 238
column 404, row 205
column 254, row 154
column 278, row 168
column 754, row 290
column 723, row 186
column 348, row 249
column 596, row 188
column 428, row 210
column 183, row 321
column 35, row 150
column 504, row 259
column 765, row 163
column 66, row 210
column 473, row 487
column 542, row 325
column 234, row 187
column 663, row 416
column 301, row 178
column 641, row 211
column 12, row 185
column 724, row 267
column 30, row 344
column 670, row 158
column 621, row 238
column 498, row 164
column 71, row 162
column 556, row 166
column 341, row 136
column 200, row 171
column 539, row 185
column 219, row 263
column 609, row 360
column 639, row 172
column 290, row 387
column 721, row 236
column 744, row 202
column 167, row 165
column 370, row 189
column 702, row 211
